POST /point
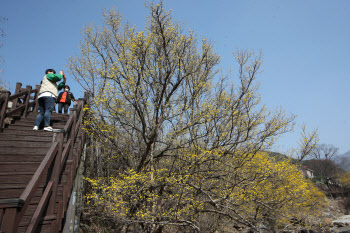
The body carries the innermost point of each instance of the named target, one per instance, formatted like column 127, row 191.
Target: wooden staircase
column 37, row 168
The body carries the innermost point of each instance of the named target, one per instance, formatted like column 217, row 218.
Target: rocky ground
column 342, row 224
column 337, row 216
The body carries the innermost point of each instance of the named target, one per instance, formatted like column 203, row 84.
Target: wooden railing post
column 18, row 90
column 10, row 209
column 26, row 100
column 5, row 95
column 36, row 106
column 9, row 224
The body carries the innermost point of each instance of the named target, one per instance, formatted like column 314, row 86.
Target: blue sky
column 305, row 45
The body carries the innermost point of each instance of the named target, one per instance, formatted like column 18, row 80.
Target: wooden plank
column 14, row 173
column 28, row 144
column 10, row 150
column 12, row 137
column 22, row 158
column 54, row 117
column 15, row 179
column 12, row 186
column 11, row 193
column 16, row 192
column 19, row 166
column 25, row 124
column 38, row 133
column 29, row 127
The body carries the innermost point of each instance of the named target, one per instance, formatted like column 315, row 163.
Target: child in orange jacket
column 65, row 99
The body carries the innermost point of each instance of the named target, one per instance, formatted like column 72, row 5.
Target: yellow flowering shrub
column 259, row 191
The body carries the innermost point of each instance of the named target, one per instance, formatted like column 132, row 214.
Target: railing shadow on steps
column 60, row 157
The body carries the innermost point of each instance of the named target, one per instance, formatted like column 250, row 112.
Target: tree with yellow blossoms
column 177, row 146
column 345, row 179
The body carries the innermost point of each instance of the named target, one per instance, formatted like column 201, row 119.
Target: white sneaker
column 35, row 127
column 48, row 128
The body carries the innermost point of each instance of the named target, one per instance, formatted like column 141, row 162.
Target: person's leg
column 66, row 106
column 40, row 116
column 60, row 106
column 49, row 107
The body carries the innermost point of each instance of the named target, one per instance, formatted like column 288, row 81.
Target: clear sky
column 305, row 45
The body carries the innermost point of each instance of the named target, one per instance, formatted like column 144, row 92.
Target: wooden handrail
column 22, row 109
column 15, row 96
column 16, row 110
column 69, row 123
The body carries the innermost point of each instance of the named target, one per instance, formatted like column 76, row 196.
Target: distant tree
column 179, row 148
column 324, row 151
column 323, row 162
column 323, row 168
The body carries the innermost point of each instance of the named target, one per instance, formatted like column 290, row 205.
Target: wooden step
column 7, row 150
column 28, row 130
column 19, row 166
column 22, row 158
column 15, row 177
column 11, row 191
column 13, row 129
column 30, row 138
column 29, row 144
column 30, row 124
column 39, row 133
column 15, row 190
column 54, row 117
